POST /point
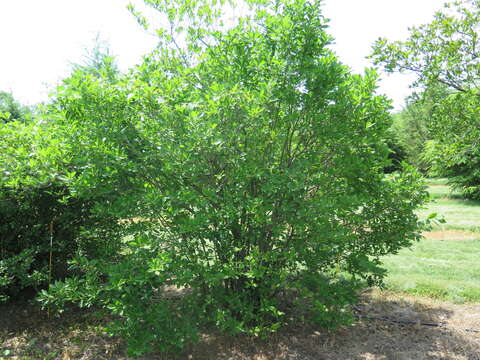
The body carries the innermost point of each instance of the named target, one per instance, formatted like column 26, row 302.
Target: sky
column 39, row 40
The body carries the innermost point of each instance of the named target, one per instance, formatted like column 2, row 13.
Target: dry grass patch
column 451, row 235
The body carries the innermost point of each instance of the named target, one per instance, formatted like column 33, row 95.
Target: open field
column 431, row 310
column 445, row 264
column 448, row 204
column 458, row 214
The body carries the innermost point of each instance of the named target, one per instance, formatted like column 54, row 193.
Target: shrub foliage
column 244, row 162
column 42, row 226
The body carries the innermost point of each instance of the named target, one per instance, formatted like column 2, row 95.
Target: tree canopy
column 445, row 57
column 11, row 109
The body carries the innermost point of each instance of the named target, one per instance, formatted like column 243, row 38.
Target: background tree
column 397, row 152
column 98, row 61
column 11, row 110
column 445, row 54
column 411, row 127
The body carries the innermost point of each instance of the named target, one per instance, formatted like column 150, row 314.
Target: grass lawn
column 447, row 269
column 448, row 204
column 445, row 264
column 458, row 214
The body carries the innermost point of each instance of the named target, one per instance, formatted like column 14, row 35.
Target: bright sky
column 40, row 39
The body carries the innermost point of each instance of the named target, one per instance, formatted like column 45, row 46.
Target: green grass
column 459, row 213
column 446, row 269
column 443, row 192
column 437, row 181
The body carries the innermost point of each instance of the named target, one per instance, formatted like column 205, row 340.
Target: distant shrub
column 396, row 152
column 26, row 217
column 461, row 165
column 36, row 209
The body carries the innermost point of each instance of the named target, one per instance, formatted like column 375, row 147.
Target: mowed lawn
column 448, row 204
column 446, row 264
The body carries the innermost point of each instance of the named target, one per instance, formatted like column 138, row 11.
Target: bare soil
column 389, row 327
column 451, row 235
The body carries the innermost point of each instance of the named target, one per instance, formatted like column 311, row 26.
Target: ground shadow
column 29, row 333
column 388, row 328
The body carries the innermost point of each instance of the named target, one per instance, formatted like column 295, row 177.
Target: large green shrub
column 246, row 162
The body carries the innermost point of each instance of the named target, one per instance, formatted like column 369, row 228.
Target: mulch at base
column 26, row 332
